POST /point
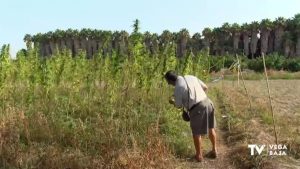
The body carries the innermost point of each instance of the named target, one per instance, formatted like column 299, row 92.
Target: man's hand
column 172, row 101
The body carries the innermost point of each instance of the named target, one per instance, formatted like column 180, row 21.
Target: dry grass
column 252, row 75
column 233, row 101
column 17, row 149
column 285, row 96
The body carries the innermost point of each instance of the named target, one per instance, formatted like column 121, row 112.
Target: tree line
column 280, row 36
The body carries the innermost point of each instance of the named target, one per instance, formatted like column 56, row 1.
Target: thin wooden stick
column 238, row 68
column 249, row 99
column 270, row 100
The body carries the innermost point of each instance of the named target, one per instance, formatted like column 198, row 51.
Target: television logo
column 271, row 150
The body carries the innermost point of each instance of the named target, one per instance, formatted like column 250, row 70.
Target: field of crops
column 106, row 112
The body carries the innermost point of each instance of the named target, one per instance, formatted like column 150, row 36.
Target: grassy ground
column 240, row 125
column 251, row 75
column 84, row 114
column 247, row 126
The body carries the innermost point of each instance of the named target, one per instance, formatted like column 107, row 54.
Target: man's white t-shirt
column 196, row 91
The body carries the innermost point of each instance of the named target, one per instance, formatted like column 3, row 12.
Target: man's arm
column 203, row 85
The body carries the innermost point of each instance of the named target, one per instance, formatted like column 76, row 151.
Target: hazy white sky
column 19, row 17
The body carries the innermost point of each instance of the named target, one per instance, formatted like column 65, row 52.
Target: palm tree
column 106, row 39
column 287, row 43
column 207, row 33
column 196, row 43
column 225, row 37
column 36, row 38
column 182, row 40
column 271, row 40
column 45, row 49
column 246, row 40
column 76, row 42
column 94, row 43
column 99, row 44
column 84, row 33
column 147, row 41
column 226, row 31
column 165, row 39
column 216, row 41
column 89, row 43
column 115, row 40
column 254, row 37
column 266, row 26
column 279, row 25
column 69, row 40
column 296, row 21
column 235, row 29
column 154, row 44
column 51, row 38
column 123, row 40
column 28, row 40
column 40, row 40
column 60, row 35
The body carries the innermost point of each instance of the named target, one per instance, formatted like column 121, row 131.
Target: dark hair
column 171, row 76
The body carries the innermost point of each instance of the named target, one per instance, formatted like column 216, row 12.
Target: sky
column 19, row 17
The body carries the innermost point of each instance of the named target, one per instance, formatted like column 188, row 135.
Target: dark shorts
column 202, row 117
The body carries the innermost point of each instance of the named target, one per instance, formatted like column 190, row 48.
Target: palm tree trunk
column 35, row 44
column 42, row 49
column 62, row 44
column 293, row 50
column 206, row 43
column 298, row 46
column 84, row 45
column 53, row 47
column 76, row 44
column 109, row 49
column 99, row 46
column 278, row 39
column 236, row 39
column 94, row 47
column 246, row 43
column 89, row 48
column 254, row 40
column 154, row 47
column 69, row 45
column 47, row 49
column 271, row 42
column 178, row 50
column 264, row 41
column 147, row 44
column 123, row 47
column 183, row 45
column 287, row 49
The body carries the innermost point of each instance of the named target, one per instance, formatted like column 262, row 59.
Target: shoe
column 211, row 154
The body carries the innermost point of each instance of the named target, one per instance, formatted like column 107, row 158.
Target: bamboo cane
column 270, row 100
column 239, row 70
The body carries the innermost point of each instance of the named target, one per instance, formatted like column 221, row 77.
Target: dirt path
column 223, row 160
column 285, row 95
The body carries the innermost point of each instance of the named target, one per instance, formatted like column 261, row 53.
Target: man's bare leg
column 213, row 139
column 197, row 143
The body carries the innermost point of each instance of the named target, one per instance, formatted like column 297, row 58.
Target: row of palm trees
column 95, row 41
column 281, row 35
